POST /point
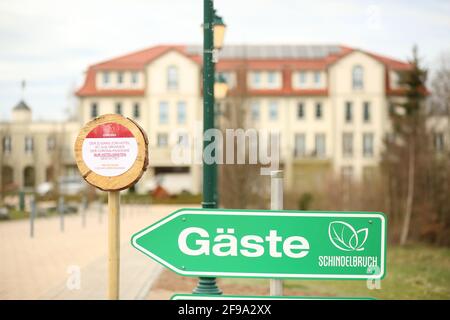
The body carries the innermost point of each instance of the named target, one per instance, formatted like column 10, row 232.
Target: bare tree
column 241, row 185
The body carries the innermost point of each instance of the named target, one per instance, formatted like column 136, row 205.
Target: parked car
column 71, row 185
column 44, row 188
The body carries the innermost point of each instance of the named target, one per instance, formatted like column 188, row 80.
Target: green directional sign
column 268, row 244
column 233, row 297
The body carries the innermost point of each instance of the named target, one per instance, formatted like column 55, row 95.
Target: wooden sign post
column 111, row 153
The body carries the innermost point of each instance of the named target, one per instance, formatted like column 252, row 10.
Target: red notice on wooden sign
column 110, row 149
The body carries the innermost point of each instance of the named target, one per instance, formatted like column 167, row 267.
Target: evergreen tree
column 406, row 146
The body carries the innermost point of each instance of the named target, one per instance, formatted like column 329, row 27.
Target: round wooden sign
column 111, row 152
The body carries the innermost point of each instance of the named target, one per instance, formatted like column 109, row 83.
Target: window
column 230, row 78
column 273, row 111
column 302, row 78
column 271, row 76
column 317, row 78
column 367, row 144
column 120, row 77
column 162, row 140
column 181, row 112
column 7, row 145
column 255, row 111
column 348, row 111
column 183, row 139
column 29, row 144
column 136, row 110
column 366, row 111
column 347, row 144
column 300, row 111
column 105, row 77
column 51, row 143
column 119, row 108
column 318, row 110
column 163, row 112
column 300, row 146
column 357, row 78
column 319, row 145
column 395, row 79
column 172, row 78
column 275, row 142
column 94, row 110
column 438, row 138
column 134, row 77
column 256, row 78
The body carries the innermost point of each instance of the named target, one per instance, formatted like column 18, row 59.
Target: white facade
column 332, row 111
column 33, row 152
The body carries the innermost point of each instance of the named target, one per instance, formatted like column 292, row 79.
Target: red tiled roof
column 134, row 61
column 138, row 60
column 288, row 92
column 391, row 63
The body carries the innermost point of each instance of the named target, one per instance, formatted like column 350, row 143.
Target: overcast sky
column 50, row 43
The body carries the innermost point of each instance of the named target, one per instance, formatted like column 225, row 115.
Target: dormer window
column 302, row 78
column 256, row 79
column 134, row 77
column 395, row 79
column 105, row 77
column 317, row 78
column 120, row 78
column 172, row 78
column 271, row 77
column 357, row 78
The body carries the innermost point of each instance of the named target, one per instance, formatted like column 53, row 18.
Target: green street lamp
column 219, row 31
column 213, row 35
column 220, row 87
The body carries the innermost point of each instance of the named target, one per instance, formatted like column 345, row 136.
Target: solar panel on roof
column 272, row 51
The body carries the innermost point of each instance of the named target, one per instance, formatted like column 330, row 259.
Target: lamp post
column 212, row 25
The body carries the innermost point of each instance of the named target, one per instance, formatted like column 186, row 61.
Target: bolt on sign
column 111, row 152
column 268, row 244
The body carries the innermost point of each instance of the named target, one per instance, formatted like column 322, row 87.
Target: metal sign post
column 32, row 216
column 276, row 203
column 61, row 212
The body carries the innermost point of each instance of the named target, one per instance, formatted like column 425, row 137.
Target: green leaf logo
column 345, row 237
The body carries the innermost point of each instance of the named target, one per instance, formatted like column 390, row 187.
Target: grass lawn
column 413, row 272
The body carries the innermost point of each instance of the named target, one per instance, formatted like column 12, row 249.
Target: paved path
column 41, row 267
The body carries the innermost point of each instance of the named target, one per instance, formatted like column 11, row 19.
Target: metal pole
column 21, row 200
column 113, row 244
column 276, row 203
column 207, row 285
column 32, row 216
column 61, row 212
